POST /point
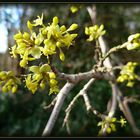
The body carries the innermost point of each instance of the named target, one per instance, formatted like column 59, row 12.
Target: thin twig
column 72, row 103
column 51, row 104
column 112, row 50
column 89, row 107
column 68, row 110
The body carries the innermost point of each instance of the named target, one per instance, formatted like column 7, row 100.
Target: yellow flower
column 74, row 9
column 122, row 121
column 94, row 32
column 30, row 84
column 38, row 21
column 13, row 51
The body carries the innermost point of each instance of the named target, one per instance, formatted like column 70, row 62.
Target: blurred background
column 22, row 114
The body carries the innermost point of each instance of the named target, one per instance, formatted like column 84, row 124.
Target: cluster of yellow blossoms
column 127, row 74
column 46, row 41
column 8, row 81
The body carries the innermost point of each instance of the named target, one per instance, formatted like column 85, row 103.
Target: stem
column 114, row 100
column 114, row 49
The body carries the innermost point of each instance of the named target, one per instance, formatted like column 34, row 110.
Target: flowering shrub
column 47, row 40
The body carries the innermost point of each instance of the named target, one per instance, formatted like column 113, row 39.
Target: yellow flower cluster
column 8, row 81
column 31, row 46
column 127, row 74
column 133, row 41
column 94, row 32
column 39, row 77
column 110, row 122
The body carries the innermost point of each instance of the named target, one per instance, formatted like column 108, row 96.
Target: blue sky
column 3, row 38
column 15, row 12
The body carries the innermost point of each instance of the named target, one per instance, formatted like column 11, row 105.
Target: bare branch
column 123, row 104
column 123, row 107
column 54, row 115
column 51, row 104
column 112, row 50
column 83, row 92
column 89, row 107
column 114, row 99
column 68, row 110
column 92, row 13
column 75, row 78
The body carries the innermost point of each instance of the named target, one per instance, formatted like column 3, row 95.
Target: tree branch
column 75, row 78
column 83, row 92
column 124, row 107
column 123, row 104
column 54, row 115
column 68, row 110
column 51, row 104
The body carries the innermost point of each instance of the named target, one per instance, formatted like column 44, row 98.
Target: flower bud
column 45, row 68
column 55, row 20
column 23, row 63
column 14, row 88
column 26, row 36
column 46, row 41
column 18, row 36
column 38, row 77
column 130, row 84
column 108, row 130
column 10, row 73
column 58, row 44
column 42, row 85
column 96, row 27
column 136, row 36
column 73, row 9
column 4, row 89
column 37, row 41
column 63, row 28
column 62, row 56
column 9, row 87
column 3, row 74
column 101, row 27
column 53, row 82
column 44, row 31
column 87, row 31
column 22, row 45
column 29, row 25
column 52, row 75
column 73, row 26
